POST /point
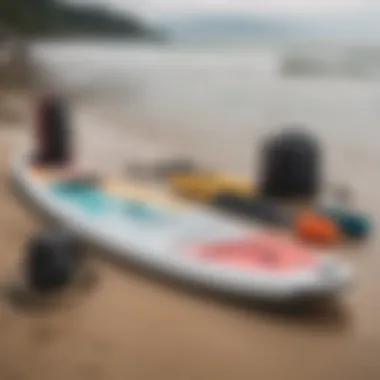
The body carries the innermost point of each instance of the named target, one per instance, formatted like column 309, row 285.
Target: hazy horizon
column 153, row 9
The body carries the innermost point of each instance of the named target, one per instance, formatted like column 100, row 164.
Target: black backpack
column 290, row 166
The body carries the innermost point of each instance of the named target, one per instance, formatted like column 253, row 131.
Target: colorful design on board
column 112, row 186
column 148, row 217
column 96, row 202
column 263, row 252
column 87, row 198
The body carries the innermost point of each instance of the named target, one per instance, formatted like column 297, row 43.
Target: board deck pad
column 122, row 209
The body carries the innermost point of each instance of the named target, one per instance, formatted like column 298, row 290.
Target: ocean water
column 222, row 101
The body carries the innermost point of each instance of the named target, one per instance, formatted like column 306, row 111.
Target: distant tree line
column 45, row 18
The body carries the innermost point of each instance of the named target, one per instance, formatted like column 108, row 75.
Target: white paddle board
column 183, row 241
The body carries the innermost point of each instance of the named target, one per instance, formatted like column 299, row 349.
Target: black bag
column 54, row 132
column 290, row 167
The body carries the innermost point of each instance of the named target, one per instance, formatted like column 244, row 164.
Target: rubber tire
column 52, row 259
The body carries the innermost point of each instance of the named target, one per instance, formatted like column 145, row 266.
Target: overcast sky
column 149, row 7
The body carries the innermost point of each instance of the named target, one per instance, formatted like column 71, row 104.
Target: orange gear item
column 316, row 228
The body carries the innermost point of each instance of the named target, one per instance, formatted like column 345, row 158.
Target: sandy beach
column 117, row 323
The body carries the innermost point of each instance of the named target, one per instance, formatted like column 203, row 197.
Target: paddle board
column 184, row 241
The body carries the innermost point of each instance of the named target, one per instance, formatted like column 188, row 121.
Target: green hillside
column 45, row 18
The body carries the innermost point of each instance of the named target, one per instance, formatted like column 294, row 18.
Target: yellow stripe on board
column 202, row 187
column 136, row 191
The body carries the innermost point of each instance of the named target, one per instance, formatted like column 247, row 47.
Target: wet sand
column 122, row 324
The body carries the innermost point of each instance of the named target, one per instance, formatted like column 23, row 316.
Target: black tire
column 52, row 260
column 290, row 167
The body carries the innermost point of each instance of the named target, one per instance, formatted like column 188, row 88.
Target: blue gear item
column 352, row 224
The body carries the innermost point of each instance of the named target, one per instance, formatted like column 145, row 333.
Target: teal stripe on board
column 89, row 199
column 94, row 201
